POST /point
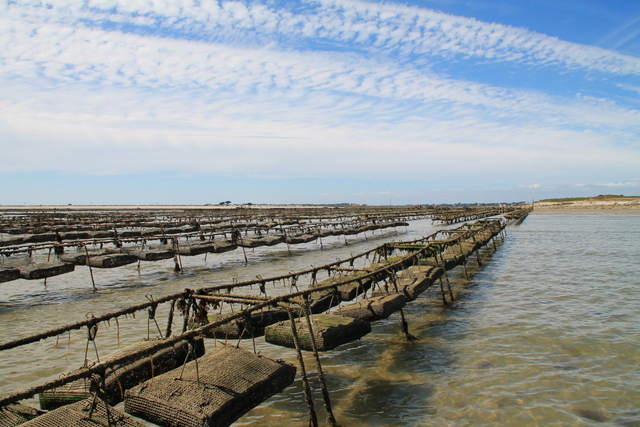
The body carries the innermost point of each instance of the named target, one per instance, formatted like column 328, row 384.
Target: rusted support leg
column 313, row 418
column 93, row 282
column 446, row 276
column 331, row 420
column 405, row 328
column 464, row 264
column 444, row 299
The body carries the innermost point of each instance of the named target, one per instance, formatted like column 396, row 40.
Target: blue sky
column 435, row 101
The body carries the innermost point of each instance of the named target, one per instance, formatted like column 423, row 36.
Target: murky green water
column 544, row 333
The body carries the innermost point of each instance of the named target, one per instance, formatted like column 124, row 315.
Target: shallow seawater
column 545, row 332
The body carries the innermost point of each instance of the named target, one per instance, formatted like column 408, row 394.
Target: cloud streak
column 367, row 27
column 327, row 88
column 82, row 55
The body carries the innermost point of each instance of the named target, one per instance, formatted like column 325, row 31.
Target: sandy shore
column 632, row 205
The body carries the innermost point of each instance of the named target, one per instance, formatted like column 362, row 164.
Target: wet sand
column 615, row 205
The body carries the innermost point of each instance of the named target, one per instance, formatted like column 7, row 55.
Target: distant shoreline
column 626, row 204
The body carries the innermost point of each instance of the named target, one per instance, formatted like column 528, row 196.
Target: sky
column 327, row 101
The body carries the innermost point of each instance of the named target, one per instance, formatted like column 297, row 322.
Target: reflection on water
column 545, row 332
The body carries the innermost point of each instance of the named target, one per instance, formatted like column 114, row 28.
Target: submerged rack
column 516, row 217
column 469, row 214
column 372, row 285
column 131, row 247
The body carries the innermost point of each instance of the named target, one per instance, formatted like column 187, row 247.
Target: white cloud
column 124, row 131
column 632, row 183
column 200, row 88
column 371, row 26
column 630, row 87
column 68, row 56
